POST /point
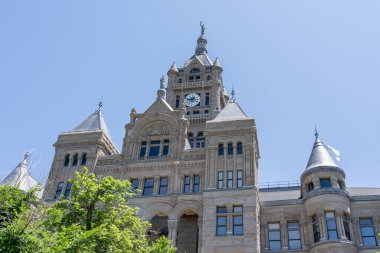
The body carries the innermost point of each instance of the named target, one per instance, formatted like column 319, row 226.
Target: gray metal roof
column 203, row 58
column 217, row 63
column 320, row 156
column 20, row 177
column 94, row 122
column 232, row 111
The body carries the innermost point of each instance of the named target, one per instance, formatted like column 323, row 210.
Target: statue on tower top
column 202, row 28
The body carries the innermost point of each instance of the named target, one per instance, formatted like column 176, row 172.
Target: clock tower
column 198, row 86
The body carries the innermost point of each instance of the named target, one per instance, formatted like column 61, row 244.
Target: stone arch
column 187, row 206
column 159, row 209
column 161, row 118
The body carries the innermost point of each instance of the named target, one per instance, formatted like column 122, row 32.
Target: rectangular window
column 195, row 112
column 229, row 179
column 274, row 236
column 207, row 98
column 220, row 180
column 230, row 149
column 58, row 192
column 239, row 179
column 163, row 186
column 148, row 186
column 221, row 221
column 196, row 183
column 332, row 231
column 316, row 229
column 143, row 149
column 186, row 184
column 135, row 184
column 239, row 148
column 220, row 149
column 237, row 220
column 325, row 182
column 177, row 99
column 154, row 149
column 294, row 235
column 68, row 189
column 346, row 227
column 368, row 232
column 165, row 150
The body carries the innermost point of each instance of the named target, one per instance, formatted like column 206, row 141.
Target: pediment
column 160, row 105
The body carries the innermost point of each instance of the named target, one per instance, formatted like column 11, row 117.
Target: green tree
column 97, row 218
column 18, row 212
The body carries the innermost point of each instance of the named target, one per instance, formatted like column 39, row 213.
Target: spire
column 217, row 63
column 20, row 176
column 94, row 122
column 201, row 42
column 319, row 156
column 173, row 68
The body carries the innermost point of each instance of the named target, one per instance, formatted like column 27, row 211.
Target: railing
column 194, row 84
column 280, row 184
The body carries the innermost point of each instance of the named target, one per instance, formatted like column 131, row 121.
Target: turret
column 327, row 203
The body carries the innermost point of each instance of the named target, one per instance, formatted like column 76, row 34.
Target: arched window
column 75, row 160
column 190, row 136
column 83, row 159
column 200, row 140
column 67, row 160
column 221, row 149
column 230, row 149
column 239, row 148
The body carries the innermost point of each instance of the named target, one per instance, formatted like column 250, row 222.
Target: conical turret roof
column 320, row 156
column 20, row 177
column 217, row 63
column 94, row 122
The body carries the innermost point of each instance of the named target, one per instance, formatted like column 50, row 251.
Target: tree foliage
column 96, row 218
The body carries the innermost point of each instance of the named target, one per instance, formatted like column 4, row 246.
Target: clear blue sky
column 294, row 64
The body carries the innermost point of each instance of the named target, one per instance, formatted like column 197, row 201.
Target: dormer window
column 194, row 71
column 194, row 74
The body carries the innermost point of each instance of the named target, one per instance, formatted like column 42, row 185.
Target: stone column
column 356, row 230
column 200, row 223
column 322, row 226
column 283, row 233
column 156, row 185
column 172, row 236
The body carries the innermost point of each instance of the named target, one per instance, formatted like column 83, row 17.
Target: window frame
column 239, row 148
column 186, row 184
column 346, row 226
column 329, row 229
column 316, row 228
column 59, row 190
column 221, row 149
column 230, row 149
column 150, row 188
column 220, row 180
column 83, row 160
column 196, row 183
column 272, row 230
column 163, row 189
column 325, row 180
column 66, row 161
column 221, row 214
column 69, row 185
column 237, row 213
column 230, row 179
column 362, row 226
column 239, row 179
column 75, row 160
column 290, row 229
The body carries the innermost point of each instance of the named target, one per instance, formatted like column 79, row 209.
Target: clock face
column 192, row 99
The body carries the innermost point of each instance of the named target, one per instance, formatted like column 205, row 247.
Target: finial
column 233, row 98
column 202, row 28
column 100, row 104
column 26, row 155
column 316, row 134
column 162, row 80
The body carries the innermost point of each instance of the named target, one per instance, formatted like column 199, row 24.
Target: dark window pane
column 154, row 150
column 274, row 235
column 163, row 185
column 75, row 160
column 135, row 184
column 239, row 148
column 221, row 209
column 220, row 149
column 68, row 189
column 67, row 161
column 325, row 182
column 368, row 231
column 310, row 187
column 230, row 149
column 333, row 235
column 84, row 159
column 369, row 241
column 274, row 245
column 294, row 234
column 148, row 187
column 294, row 244
column 142, row 151
column 165, row 150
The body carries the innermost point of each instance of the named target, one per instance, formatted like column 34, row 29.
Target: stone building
column 193, row 156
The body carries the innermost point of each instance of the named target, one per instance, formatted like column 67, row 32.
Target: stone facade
column 193, row 158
